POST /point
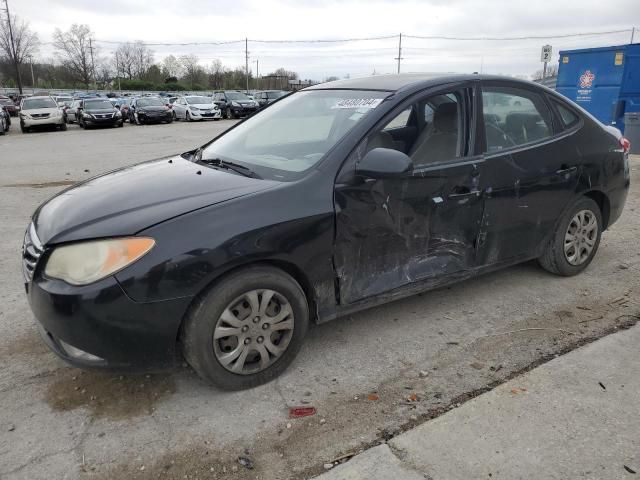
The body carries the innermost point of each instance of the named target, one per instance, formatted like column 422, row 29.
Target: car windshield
column 33, row 103
column 150, row 102
column 197, row 100
column 237, row 96
column 276, row 94
column 295, row 133
column 98, row 105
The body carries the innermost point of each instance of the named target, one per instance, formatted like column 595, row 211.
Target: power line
column 362, row 39
column 529, row 37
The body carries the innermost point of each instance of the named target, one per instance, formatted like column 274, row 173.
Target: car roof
column 396, row 82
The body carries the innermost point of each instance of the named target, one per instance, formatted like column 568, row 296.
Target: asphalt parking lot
column 370, row 376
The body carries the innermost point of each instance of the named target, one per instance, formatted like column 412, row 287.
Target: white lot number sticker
column 358, row 103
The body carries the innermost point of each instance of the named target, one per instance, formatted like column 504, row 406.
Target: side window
column 440, row 130
column 400, row 121
column 514, row 117
column 569, row 118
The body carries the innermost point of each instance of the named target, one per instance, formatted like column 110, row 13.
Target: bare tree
column 124, row 60
column 191, row 68
column 142, row 59
column 75, row 50
column 216, row 74
column 17, row 43
column 171, row 66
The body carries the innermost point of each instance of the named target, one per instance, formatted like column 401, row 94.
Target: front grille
column 31, row 252
column 40, row 115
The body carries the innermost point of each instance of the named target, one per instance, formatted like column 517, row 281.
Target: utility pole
column 33, row 81
column 13, row 47
column 399, row 57
column 246, row 59
column 257, row 74
column 633, row 33
column 93, row 68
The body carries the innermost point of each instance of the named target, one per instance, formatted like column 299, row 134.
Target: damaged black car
column 337, row 198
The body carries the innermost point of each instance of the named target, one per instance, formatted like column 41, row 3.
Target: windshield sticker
column 358, row 103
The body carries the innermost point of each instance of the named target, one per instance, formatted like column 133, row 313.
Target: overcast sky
column 174, row 21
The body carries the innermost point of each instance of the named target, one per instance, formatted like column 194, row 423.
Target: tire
column 198, row 329
column 63, row 127
column 23, row 129
column 229, row 113
column 175, row 117
column 170, row 120
column 121, row 124
column 187, row 117
column 3, row 127
column 555, row 258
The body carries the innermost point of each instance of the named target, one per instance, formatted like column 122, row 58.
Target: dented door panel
column 394, row 232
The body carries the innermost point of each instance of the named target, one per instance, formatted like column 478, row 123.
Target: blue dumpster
column 604, row 81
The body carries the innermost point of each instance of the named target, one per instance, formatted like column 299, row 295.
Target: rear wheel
column 63, row 127
column 575, row 241
column 246, row 329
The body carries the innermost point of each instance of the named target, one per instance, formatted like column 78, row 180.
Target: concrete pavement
column 577, row 416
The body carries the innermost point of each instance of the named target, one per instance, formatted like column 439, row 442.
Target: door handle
column 566, row 170
column 462, row 192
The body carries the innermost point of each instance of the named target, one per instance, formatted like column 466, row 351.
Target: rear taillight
column 625, row 144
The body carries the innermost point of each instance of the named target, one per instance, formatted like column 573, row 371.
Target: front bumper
column 243, row 111
column 101, row 320
column 34, row 122
column 110, row 121
column 205, row 115
column 155, row 117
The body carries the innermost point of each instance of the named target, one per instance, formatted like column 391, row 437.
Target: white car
column 36, row 111
column 195, row 107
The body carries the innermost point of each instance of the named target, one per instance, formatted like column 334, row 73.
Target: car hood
column 203, row 106
column 38, row 111
column 154, row 108
column 128, row 200
column 99, row 111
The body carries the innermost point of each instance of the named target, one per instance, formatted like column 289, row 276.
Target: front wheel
column 246, row 329
column 229, row 114
column 23, row 129
column 63, row 127
column 575, row 241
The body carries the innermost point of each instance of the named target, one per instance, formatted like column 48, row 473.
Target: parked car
column 409, row 183
column 5, row 120
column 149, row 110
column 10, row 107
column 40, row 111
column 98, row 112
column 234, row 104
column 63, row 101
column 122, row 104
column 195, row 107
column 268, row 96
column 70, row 113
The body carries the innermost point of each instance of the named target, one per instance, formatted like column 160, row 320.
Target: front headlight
column 194, row 109
column 86, row 115
column 235, row 104
column 118, row 114
column 86, row 262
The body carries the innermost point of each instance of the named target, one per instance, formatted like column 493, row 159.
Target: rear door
column 532, row 168
column 391, row 233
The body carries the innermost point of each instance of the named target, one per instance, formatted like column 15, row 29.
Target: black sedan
column 98, row 112
column 234, row 104
column 337, row 198
column 149, row 110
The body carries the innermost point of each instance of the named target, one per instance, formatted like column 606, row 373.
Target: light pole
column 33, row 81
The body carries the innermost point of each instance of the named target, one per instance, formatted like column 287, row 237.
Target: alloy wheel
column 253, row 331
column 581, row 236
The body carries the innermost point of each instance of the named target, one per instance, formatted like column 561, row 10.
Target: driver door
column 421, row 228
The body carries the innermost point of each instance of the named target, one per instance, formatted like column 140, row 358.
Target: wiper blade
column 218, row 162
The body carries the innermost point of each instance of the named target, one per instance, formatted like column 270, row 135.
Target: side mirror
column 384, row 163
